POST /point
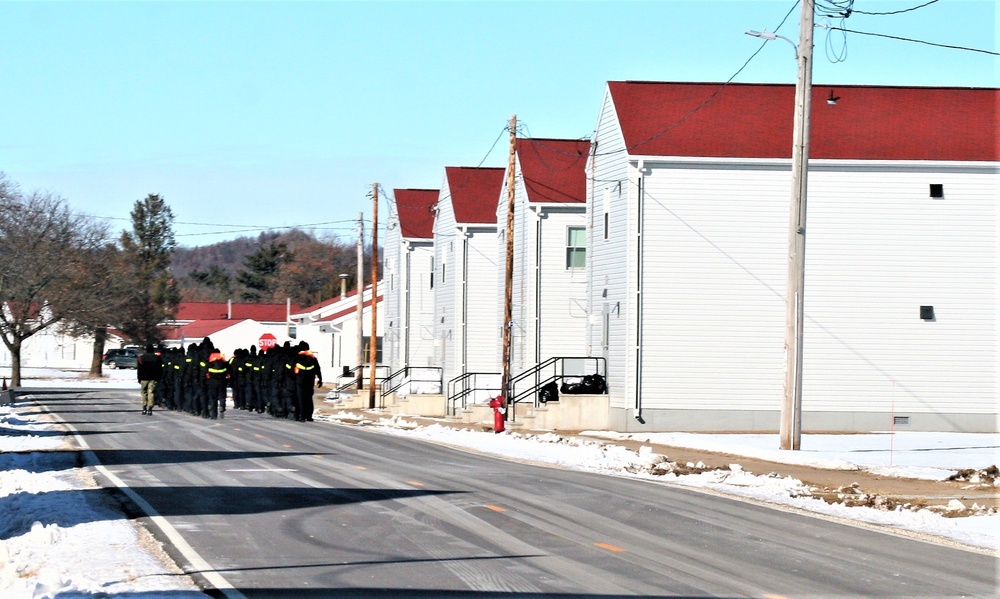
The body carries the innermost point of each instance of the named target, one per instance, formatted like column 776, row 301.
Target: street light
column 791, row 406
column 767, row 35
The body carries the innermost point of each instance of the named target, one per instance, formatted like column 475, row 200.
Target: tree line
column 63, row 270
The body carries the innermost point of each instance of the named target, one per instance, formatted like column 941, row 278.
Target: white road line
column 192, row 556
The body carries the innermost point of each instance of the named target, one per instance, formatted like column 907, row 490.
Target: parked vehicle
column 121, row 358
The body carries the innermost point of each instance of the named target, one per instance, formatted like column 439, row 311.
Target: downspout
column 465, row 299
column 591, row 202
column 406, row 306
column 638, row 299
column 538, row 286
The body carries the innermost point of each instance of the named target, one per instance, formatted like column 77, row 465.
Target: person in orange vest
column 217, row 379
column 307, row 371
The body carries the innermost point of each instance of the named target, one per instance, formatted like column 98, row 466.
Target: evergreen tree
column 148, row 249
column 260, row 270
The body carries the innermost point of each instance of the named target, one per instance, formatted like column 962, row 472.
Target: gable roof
column 220, row 311
column 474, row 192
column 415, row 211
column 553, row 169
column 199, row 329
column 755, row 121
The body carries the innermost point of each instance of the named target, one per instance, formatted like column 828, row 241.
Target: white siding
column 445, row 337
column 608, row 258
column 562, row 307
column 482, row 327
column 714, row 269
column 420, row 305
column 393, row 273
column 879, row 248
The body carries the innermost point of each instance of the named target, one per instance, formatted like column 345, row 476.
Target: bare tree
column 46, row 253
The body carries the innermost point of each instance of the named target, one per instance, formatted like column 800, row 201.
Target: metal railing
column 469, row 385
column 357, row 376
column 528, row 384
column 411, row 374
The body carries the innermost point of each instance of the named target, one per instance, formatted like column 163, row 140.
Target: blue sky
column 253, row 115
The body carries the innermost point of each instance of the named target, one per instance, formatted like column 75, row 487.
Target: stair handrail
column 558, row 365
column 388, row 388
column 454, row 394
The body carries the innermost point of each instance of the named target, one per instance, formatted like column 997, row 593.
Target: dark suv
column 121, row 358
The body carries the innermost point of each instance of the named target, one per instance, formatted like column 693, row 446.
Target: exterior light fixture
column 767, row 35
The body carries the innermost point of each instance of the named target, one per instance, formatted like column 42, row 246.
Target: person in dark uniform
column 307, row 372
column 217, row 377
column 288, row 388
column 189, row 376
column 149, row 372
column 236, row 374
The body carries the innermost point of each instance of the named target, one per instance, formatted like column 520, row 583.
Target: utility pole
column 791, row 407
column 508, row 296
column 373, row 335
column 361, row 300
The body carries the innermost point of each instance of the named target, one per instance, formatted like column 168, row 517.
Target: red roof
column 329, row 302
column 198, row 329
column 474, row 193
column 220, row 310
column 553, row 169
column 755, row 121
column 347, row 311
column 415, row 209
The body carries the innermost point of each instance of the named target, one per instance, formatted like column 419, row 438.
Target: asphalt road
column 258, row 507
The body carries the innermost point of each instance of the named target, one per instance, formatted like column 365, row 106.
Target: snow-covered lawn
column 88, row 548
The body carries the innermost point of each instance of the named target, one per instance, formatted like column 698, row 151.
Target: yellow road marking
column 286, row 446
column 773, row 596
column 258, row 435
column 608, row 547
column 361, row 468
column 415, row 483
column 317, row 456
column 495, row 508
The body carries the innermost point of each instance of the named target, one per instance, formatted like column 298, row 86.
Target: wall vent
column 926, row 312
column 901, row 420
column 937, row 190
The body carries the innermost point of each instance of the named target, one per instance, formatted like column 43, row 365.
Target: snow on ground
column 853, row 452
column 60, row 536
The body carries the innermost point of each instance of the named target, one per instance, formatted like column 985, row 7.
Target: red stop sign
column 267, row 341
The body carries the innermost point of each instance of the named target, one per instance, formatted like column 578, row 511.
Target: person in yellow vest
column 217, row 373
column 307, row 372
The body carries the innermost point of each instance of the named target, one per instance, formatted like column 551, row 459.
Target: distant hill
column 311, row 275
column 227, row 255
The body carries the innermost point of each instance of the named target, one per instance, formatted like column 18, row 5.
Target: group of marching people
column 279, row 381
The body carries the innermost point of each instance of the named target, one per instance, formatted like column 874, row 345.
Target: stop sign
column 267, row 341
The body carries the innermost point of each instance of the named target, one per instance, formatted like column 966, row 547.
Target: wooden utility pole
column 360, row 353
column 508, row 295
column 373, row 335
column 791, row 407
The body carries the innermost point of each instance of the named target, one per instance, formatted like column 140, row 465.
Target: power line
column 906, row 39
column 895, row 12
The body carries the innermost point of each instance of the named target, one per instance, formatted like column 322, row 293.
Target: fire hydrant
column 498, row 413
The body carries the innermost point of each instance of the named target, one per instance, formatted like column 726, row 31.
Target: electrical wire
column 906, row 39
column 895, row 12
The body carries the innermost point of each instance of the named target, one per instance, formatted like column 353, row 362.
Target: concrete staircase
column 570, row 413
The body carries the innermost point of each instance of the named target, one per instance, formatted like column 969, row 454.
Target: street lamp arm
column 767, row 35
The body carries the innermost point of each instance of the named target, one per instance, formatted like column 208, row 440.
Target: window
column 607, row 210
column 432, row 273
column 937, row 190
column 576, row 247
